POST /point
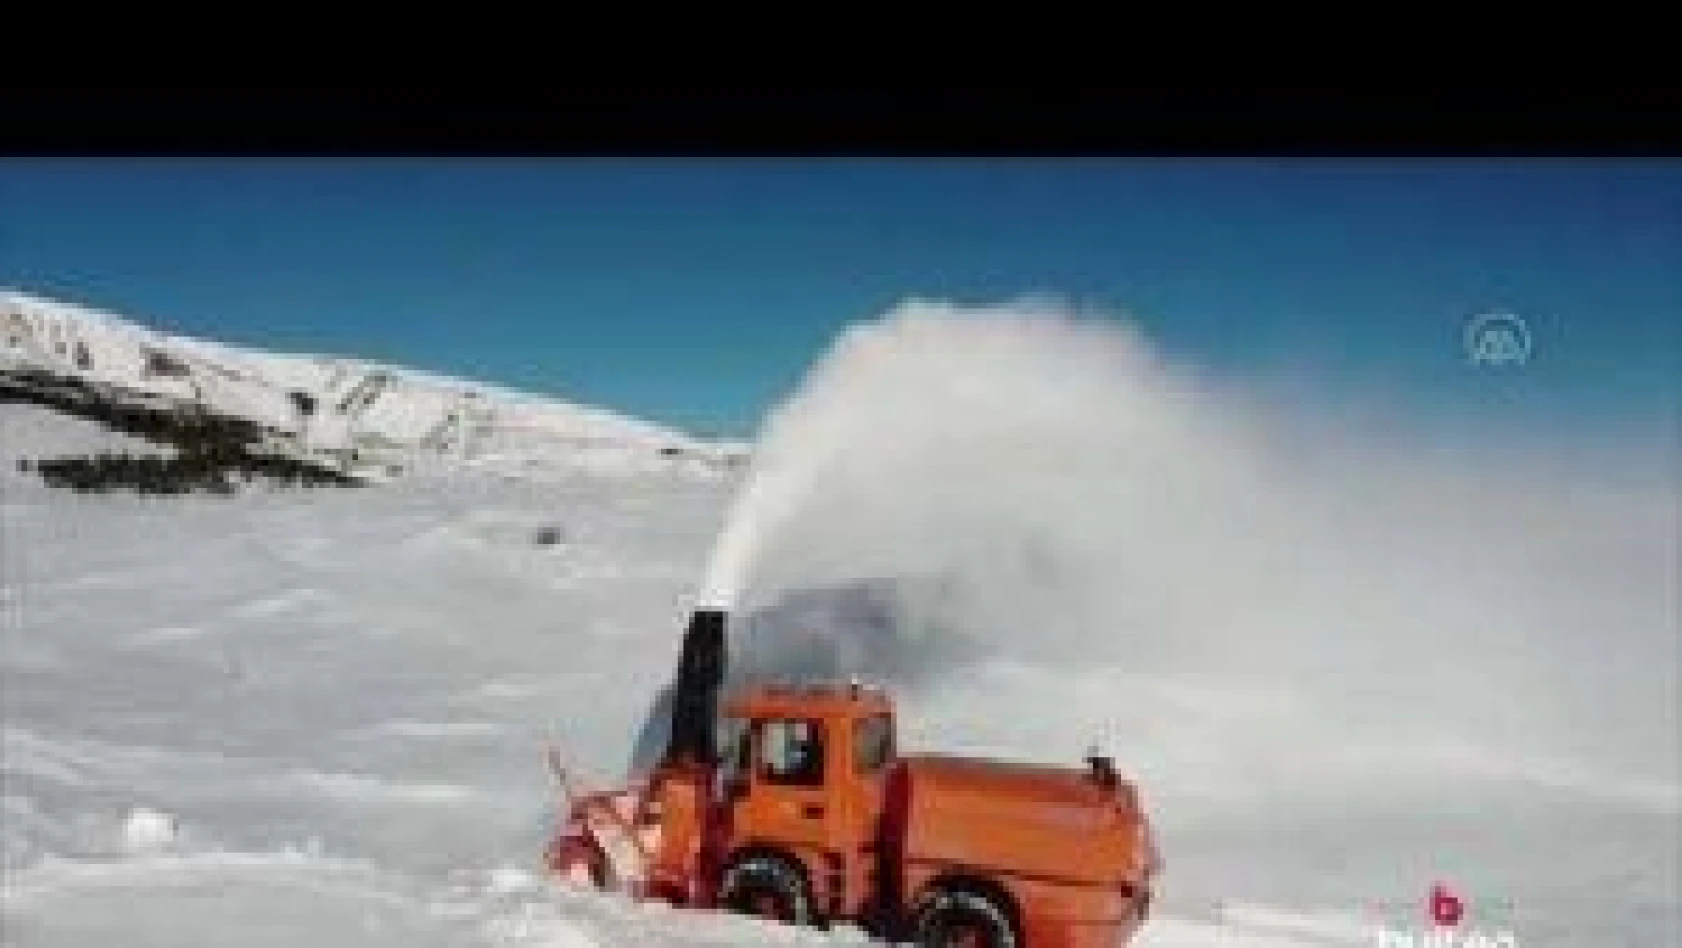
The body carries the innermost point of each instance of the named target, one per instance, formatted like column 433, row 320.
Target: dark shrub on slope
column 212, row 471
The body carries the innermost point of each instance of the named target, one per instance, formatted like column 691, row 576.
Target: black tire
column 770, row 887
column 963, row 916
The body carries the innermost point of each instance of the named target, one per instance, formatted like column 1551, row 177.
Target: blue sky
column 695, row 292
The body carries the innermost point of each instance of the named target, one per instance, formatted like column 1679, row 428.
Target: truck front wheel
column 963, row 918
column 769, row 887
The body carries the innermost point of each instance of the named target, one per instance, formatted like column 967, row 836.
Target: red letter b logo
column 1446, row 907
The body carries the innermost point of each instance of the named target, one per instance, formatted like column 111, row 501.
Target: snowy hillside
column 353, row 414
column 317, row 719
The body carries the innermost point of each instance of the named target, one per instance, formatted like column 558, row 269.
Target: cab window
column 873, row 743
column 791, row 752
column 732, row 744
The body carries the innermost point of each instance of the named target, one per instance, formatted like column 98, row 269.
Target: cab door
column 785, row 799
column 866, row 838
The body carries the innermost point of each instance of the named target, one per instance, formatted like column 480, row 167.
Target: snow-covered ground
column 317, row 717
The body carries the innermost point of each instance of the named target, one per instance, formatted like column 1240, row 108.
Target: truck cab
column 804, row 774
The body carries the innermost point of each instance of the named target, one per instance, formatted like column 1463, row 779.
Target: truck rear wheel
column 963, row 918
column 769, row 887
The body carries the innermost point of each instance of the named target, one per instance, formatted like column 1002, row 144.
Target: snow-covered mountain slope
column 343, row 411
column 317, row 717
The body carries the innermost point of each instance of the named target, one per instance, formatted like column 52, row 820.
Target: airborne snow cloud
column 1043, row 495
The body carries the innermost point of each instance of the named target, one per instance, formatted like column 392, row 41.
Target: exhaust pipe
column 700, row 676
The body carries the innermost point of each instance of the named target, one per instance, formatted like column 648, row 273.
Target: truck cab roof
column 807, row 699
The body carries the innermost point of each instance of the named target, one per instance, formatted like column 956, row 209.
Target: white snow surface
column 317, row 718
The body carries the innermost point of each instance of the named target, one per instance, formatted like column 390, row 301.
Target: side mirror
column 735, row 787
column 1102, row 770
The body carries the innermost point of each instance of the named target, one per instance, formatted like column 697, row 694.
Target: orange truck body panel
column 874, row 831
column 1076, row 857
column 1038, row 822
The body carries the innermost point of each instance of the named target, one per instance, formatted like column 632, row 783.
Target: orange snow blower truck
column 794, row 803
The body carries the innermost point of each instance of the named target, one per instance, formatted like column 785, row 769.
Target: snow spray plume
column 1039, row 497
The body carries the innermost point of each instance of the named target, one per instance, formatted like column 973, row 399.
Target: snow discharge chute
column 694, row 694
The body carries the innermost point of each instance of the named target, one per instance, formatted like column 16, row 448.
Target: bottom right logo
column 1445, row 910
